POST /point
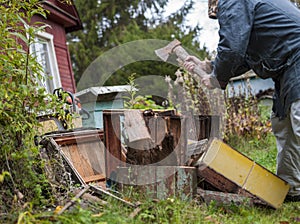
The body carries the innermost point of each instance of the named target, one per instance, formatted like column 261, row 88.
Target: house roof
column 63, row 13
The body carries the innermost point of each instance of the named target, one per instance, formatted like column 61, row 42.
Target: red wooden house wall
column 62, row 18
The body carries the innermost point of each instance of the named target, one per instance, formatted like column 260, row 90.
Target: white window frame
column 53, row 66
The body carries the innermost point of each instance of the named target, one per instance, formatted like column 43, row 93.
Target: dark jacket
column 262, row 35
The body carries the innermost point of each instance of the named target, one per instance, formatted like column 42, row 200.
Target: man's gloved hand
column 191, row 61
column 209, row 80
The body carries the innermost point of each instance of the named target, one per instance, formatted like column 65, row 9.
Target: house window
column 43, row 50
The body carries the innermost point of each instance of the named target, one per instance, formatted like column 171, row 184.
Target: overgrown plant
column 244, row 116
column 194, row 97
column 187, row 94
column 21, row 169
column 135, row 101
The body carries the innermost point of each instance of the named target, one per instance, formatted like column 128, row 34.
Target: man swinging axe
column 263, row 35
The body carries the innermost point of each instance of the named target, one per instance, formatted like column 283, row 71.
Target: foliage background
column 107, row 24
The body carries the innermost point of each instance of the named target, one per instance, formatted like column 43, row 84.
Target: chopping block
column 230, row 171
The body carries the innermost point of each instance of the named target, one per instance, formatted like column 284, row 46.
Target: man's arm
column 235, row 19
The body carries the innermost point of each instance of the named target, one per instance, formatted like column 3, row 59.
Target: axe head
column 163, row 53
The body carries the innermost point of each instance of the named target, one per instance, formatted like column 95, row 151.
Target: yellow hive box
column 229, row 165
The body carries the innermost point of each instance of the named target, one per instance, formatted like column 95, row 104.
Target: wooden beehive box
column 85, row 151
column 159, row 182
column 150, row 173
column 230, row 171
column 178, row 127
column 97, row 99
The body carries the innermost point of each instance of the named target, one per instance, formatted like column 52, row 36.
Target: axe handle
column 182, row 55
column 199, row 71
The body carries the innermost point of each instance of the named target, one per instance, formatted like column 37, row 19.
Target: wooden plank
column 159, row 182
column 176, row 127
column 66, row 151
column 80, row 163
column 143, row 178
column 157, row 128
column 186, row 182
column 146, row 181
column 218, row 181
column 83, row 150
column 70, row 203
column 92, row 152
column 215, row 127
column 100, row 190
column 112, row 140
column 96, row 157
column 137, row 131
column 93, row 178
column 221, row 198
column 166, row 181
column 123, row 178
column 75, row 158
column 191, row 130
column 65, row 140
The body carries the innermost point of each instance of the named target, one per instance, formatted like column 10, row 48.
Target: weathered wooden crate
column 159, row 182
column 85, row 151
column 163, row 173
column 227, row 170
column 181, row 128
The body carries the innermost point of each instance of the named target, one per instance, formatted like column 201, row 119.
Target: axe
column 175, row 47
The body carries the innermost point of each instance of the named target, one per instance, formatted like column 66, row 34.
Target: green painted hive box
column 97, row 99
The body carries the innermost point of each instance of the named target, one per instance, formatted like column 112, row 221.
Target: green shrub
column 135, row 101
column 22, row 179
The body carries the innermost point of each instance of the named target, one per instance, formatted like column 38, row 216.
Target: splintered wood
column 135, row 126
column 155, row 144
column 148, row 140
column 166, row 155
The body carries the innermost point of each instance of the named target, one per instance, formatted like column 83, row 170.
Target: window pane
column 42, row 54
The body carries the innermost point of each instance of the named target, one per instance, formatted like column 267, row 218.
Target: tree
column 107, row 24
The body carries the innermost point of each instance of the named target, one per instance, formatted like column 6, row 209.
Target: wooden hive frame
column 85, row 150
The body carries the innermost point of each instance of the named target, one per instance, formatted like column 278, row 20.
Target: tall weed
column 244, row 116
